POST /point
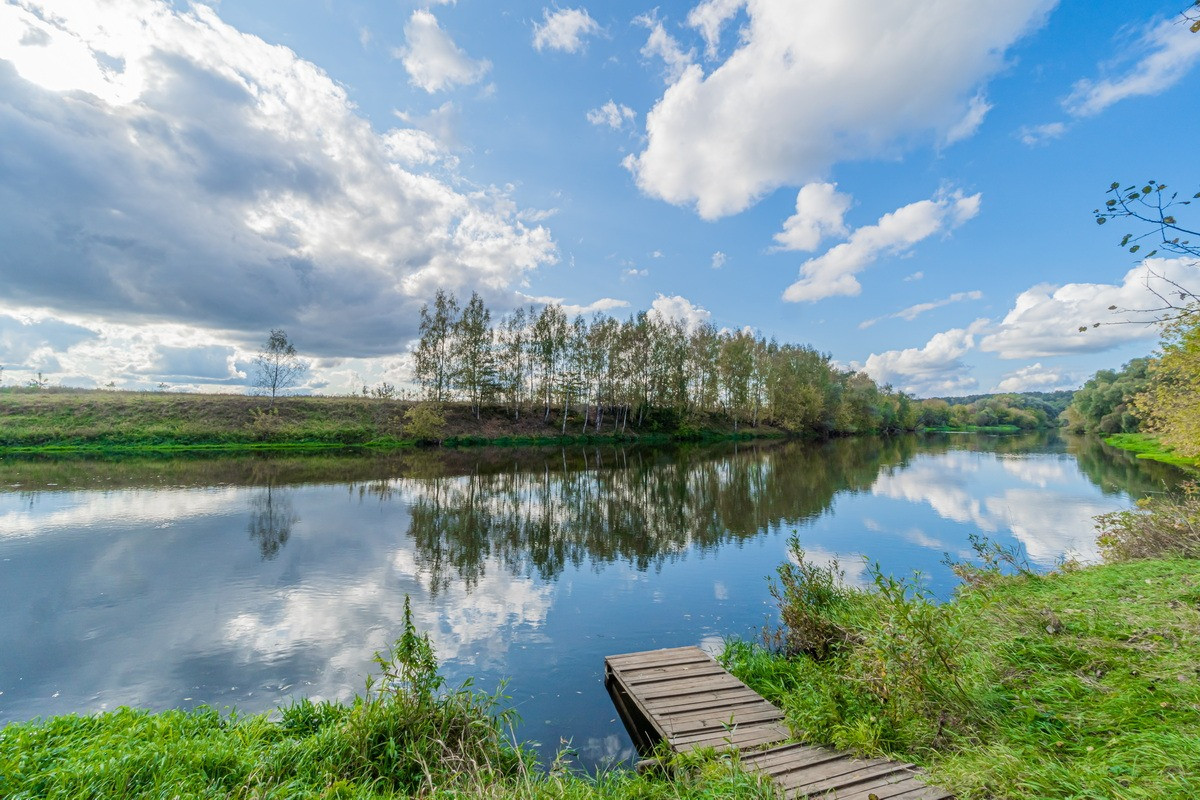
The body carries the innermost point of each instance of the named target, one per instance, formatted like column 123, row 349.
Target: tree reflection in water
column 271, row 519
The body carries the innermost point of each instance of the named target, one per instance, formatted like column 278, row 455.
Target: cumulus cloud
column 811, row 84
column 936, row 368
column 575, row 309
column 719, row 259
column 1033, row 135
column 709, row 17
column 216, row 182
column 1036, row 378
column 680, row 309
column 820, row 208
column 1045, row 319
column 1168, row 51
column 432, row 59
column 660, row 44
column 832, row 273
column 611, row 114
column 916, row 276
column 563, row 29
column 914, row 311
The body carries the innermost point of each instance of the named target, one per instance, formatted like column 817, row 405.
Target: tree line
column 603, row 374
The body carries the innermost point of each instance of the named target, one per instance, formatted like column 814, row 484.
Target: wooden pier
column 682, row 696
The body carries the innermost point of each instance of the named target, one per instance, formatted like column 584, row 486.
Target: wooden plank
column 673, row 675
column 670, row 706
column 660, row 663
column 909, row 787
column 652, row 656
column 864, row 775
column 717, row 721
column 678, row 688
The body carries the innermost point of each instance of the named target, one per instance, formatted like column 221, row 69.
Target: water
column 249, row 581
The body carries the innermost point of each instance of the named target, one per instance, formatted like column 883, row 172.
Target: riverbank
column 59, row 421
column 975, row 429
column 1080, row 683
column 404, row 736
column 1148, row 447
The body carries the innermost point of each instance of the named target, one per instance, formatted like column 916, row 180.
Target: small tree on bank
column 277, row 367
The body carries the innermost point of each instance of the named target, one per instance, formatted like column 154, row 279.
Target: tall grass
column 1079, row 684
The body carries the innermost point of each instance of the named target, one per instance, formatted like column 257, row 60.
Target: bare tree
column 277, row 366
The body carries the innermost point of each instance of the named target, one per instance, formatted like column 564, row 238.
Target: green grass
column 974, row 429
column 66, row 421
column 1148, row 447
column 1079, row 684
column 406, row 735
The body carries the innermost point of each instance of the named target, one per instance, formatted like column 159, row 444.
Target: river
column 250, row 581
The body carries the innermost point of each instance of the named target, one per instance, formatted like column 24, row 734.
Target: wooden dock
column 682, row 696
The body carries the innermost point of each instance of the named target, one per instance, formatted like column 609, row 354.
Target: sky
column 905, row 186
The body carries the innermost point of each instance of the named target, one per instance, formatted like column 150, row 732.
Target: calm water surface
column 172, row 583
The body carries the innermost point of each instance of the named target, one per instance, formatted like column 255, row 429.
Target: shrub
column 1162, row 526
column 424, row 422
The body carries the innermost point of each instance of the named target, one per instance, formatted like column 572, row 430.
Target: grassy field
column 60, row 420
column 1146, row 446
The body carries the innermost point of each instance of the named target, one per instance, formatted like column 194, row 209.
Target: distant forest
column 604, row 374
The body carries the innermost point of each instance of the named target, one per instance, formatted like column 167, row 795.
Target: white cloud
column 965, row 128
column 916, row 276
column 935, row 369
column 811, row 84
column 709, row 17
column 914, row 311
column 1033, row 135
column 681, row 309
column 820, row 209
column 1045, row 319
column 719, row 259
column 1168, row 52
column 1036, row 378
column 575, row 309
column 564, row 29
column 432, row 59
column 832, row 273
column 634, row 272
column 224, row 185
column 663, row 45
column 613, row 115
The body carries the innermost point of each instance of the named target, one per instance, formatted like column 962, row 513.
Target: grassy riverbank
column 1148, row 447
column 1081, row 683
column 974, row 429
column 405, row 735
column 52, row 421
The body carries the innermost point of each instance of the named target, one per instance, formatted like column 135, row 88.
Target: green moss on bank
column 1148, row 447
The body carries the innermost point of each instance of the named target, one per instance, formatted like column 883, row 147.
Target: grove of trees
column 646, row 371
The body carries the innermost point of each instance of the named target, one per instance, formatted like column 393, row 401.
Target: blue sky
column 905, row 186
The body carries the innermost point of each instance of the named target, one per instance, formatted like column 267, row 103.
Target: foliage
column 1170, row 405
column 1017, row 411
column 1162, row 526
column 814, row 603
column 1105, row 403
column 1151, row 206
column 424, row 422
column 278, row 367
column 624, row 372
column 1079, row 684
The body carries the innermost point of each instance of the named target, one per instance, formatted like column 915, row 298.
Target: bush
column 1161, row 526
column 425, row 422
